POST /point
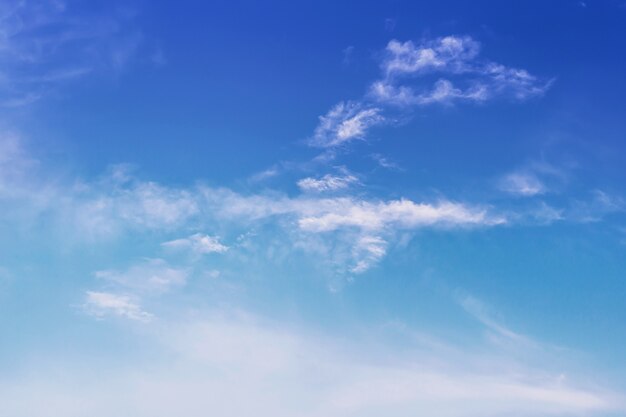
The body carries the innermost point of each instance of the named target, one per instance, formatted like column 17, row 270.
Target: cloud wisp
column 328, row 182
column 198, row 244
column 47, row 43
column 240, row 364
column 101, row 304
column 463, row 77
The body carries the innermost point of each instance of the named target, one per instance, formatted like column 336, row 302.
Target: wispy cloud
column 457, row 56
column 119, row 203
column 150, row 276
column 251, row 365
column 345, row 122
column 198, row 243
column 449, row 54
column 327, row 183
column 365, row 227
column 398, row 213
column 270, row 172
column 522, row 183
column 385, row 162
column 102, row 304
column 480, row 312
column 368, row 251
column 44, row 43
column 594, row 209
column 124, row 290
column 463, row 77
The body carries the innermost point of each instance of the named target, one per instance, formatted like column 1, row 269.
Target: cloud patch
column 150, row 276
column 327, row 183
column 345, row 122
column 198, row 243
column 462, row 77
column 101, row 304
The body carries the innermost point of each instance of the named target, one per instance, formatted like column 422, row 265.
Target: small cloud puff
column 101, row 304
column 327, row 183
column 464, row 77
column 152, row 276
column 345, row 122
column 198, row 243
column 523, row 184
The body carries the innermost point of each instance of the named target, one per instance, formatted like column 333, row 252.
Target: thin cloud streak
column 464, row 77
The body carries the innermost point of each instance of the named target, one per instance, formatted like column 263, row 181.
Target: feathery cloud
column 522, row 183
column 327, row 183
column 150, row 276
column 250, row 365
column 465, row 77
column 101, row 304
column 345, row 122
column 197, row 243
column 47, row 43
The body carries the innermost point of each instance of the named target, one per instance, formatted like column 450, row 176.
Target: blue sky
column 312, row 208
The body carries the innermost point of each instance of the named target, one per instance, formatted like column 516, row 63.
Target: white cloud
column 151, row 276
column 385, row 162
column 479, row 311
column 443, row 91
column 401, row 214
column 236, row 365
column 327, row 183
column 265, row 174
column 594, row 209
column 351, row 218
column 402, row 86
column 522, row 183
column 450, row 54
column 547, row 214
column 368, row 251
column 15, row 164
column 46, row 43
column 518, row 82
column 101, row 304
column 345, row 122
column 198, row 243
column 101, row 210
column 119, row 203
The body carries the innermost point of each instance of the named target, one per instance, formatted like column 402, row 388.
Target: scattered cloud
column 265, row 174
column 368, row 251
column 348, row 52
column 523, row 184
column 480, row 312
column 463, row 77
column 47, row 43
column 597, row 207
column 447, row 54
column 251, row 365
column 534, row 178
column 390, row 24
column 107, row 209
column 150, row 276
column 547, row 214
column 119, row 203
column 102, row 304
column 456, row 56
column 327, row 183
column 403, row 214
column 385, row 162
column 345, row 122
column 198, row 243
column 15, row 165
